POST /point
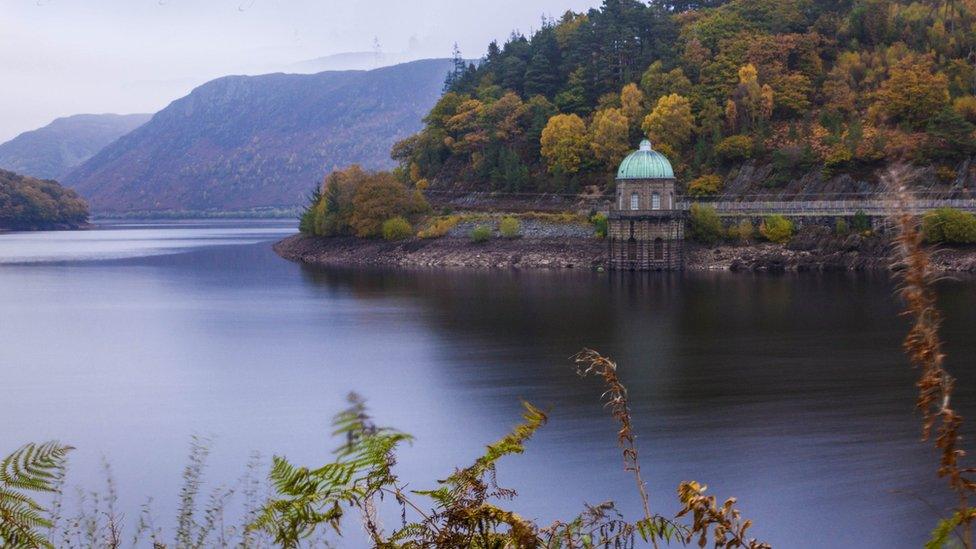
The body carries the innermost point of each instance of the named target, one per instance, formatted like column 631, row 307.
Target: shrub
column 509, row 227
column 950, row 226
column 733, row 148
column 966, row 106
column 378, row 198
column 439, row 226
column 354, row 201
column 397, row 228
column 741, row 232
column 705, row 225
column 789, row 162
column 837, row 157
column 481, row 234
column 861, row 222
column 776, row 228
column 600, row 225
column 841, row 228
column 945, row 174
column 705, row 185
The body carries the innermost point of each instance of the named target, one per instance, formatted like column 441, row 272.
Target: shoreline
column 853, row 254
column 447, row 251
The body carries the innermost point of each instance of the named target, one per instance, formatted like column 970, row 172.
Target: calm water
column 787, row 392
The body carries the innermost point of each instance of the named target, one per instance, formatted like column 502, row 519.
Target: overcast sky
column 63, row 57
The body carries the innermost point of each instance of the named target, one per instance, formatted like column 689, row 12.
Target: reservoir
column 788, row 392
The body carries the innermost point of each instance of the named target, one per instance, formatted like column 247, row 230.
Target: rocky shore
column 808, row 251
column 449, row 251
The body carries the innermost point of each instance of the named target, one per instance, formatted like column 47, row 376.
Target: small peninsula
column 29, row 204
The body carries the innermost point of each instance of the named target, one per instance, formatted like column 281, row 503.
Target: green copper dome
column 645, row 163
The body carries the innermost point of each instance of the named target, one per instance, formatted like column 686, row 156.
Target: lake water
column 788, row 392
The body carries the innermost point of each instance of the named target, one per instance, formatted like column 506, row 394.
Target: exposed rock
column 810, row 251
column 498, row 253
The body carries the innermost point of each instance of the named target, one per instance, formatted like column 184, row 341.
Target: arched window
column 655, row 201
column 658, row 249
column 634, row 201
column 670, row 201
column 621, row 200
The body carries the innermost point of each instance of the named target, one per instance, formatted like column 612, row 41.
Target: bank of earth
column 573, row 246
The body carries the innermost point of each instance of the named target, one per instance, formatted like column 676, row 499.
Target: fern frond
column 308, row 498
column 513, row 443
column 947, row 528
column 31, row 468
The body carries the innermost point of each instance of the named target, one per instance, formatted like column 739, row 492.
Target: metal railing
column 871, row 207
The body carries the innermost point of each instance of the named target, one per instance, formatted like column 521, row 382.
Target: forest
column 828, row 86
column 32, row 204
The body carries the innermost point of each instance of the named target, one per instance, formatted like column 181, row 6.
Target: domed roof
column 645, row 163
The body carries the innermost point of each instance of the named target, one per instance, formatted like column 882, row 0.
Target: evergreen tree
column 541, row 77
column 457, row 70
column 950, row 136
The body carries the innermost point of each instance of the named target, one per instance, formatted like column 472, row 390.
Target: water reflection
column 789, row 392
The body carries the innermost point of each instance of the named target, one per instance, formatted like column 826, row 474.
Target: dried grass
column 912, row 264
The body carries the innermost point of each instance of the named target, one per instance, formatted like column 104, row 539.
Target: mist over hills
column 52, row 151
column 243, row 142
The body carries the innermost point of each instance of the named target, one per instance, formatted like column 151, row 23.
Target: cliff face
column 54, row 150
column 753, row 180
column 245, row 142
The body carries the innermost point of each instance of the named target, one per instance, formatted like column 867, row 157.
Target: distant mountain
column 27, row 203
column 354, row 60
column 242, row 142
column 52, row 151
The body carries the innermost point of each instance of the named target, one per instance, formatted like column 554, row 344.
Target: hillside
column 745, row 97
column 243, row 142
column 27, row 203
column 52, row 151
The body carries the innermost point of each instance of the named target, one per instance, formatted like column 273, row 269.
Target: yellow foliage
column 564, row 143
column 705, row 185
column 439, row 226
column 966, row 106
column 670, row 122
column 632, row 103
column 748, row 74
column 609, row 133
column 912, row 92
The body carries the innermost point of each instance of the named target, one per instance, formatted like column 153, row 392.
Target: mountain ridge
column 51, row 151
column 240, row 142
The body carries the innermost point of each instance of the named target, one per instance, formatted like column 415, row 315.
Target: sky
column 64, row 57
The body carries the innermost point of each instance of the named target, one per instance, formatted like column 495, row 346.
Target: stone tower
column 646, row 228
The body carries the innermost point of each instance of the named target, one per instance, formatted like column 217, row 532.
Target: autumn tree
column 380, row 197
column 633, row 105
column 913, row 92
column 333, row 212
column 564, row 143
column 609, row 137
column 753, row 103
column 792, row 94
column 670, row 122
